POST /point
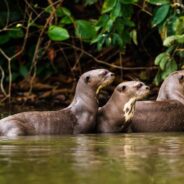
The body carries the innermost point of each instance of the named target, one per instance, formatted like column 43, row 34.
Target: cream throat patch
column 129, row 109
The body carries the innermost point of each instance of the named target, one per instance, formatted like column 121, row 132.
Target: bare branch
column 110, row 65
column 2, row 79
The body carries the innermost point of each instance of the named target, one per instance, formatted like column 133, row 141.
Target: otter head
column 173, row 87
column 133, row 89
column 129, row 92
column 174, row 84
column 177, row 78
column 97, row 79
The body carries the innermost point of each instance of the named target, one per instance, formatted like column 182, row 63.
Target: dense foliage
column 41, row 39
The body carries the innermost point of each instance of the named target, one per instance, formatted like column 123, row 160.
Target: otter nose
column 147, row 87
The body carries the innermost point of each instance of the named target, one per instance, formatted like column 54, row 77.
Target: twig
column 110, row 65
column 42, row 12
column 67, row 61
column 28, row 4
column 2, row 79
column 39, row 41
column 9, row 60
column 78, row 57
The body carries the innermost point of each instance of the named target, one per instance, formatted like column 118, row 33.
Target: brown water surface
column 118, row 158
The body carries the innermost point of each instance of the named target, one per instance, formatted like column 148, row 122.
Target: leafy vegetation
column 39, row 40
column 169, row 18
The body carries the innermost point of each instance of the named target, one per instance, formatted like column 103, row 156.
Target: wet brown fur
column 165, row 114
column 78, row 117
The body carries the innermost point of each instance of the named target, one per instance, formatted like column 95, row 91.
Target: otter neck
column 115, row 107
column 85, row 96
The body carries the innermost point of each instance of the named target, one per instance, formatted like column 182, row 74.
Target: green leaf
column 66, row 20
column 102, row 22
column 4, row 38
column 57, row 33
column 163, row 63
column 100, row 44
column 169, row 41
column 172, row 39
column 108, row 41
column 89, row 2
column 133, row 35
column 16, row 33
column 108, row 5
column 160, row 14
column 173, row 66
column 128, row 1
column 158, row 78
column 180, row 39
column 116, row 11
column 170, row 67
column 117, row 40
column 158, row 2
column 119, row 26
column 109, row 25
column 48, row 9
column 100, row 39
column 85, row 30
column 61, row 11
column 178, row 25
column 159, row 58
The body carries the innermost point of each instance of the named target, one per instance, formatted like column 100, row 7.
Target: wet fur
column 45, row 123
column 172, row 88
column 78, row 117
column 115, row 115
column 167, row 113
column 158, row 116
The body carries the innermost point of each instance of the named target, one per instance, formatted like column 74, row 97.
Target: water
column 87, row 159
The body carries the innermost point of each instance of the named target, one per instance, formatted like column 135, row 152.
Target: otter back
column 158, row 116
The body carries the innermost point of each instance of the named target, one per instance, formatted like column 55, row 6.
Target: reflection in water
column 120, row 158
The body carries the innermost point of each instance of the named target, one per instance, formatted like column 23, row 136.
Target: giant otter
column 78, row 117
column 172, row 87
column 165, row 114
column 114, row 116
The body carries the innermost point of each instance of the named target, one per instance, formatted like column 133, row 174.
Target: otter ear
column 122, row 88
column 181, row 78
column 87, row 79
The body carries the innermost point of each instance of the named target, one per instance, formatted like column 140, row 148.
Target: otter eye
column 87, row 79
column 139, row 85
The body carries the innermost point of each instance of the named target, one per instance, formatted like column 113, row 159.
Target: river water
column 92, row 159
